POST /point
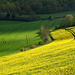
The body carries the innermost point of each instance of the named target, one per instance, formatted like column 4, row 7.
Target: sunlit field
column 37, row 37
column 13, row 34
column 56, row 58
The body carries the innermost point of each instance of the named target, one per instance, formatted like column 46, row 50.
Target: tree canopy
column 23, row 7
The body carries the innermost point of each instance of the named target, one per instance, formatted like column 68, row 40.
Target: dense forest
column 30, row 7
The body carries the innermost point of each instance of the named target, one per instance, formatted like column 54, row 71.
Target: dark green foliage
column 50, row 18
column 8, row 15
column 23, row 7
column 32, row 7
column 13, row 16
column 22, row 49
column 40, row 42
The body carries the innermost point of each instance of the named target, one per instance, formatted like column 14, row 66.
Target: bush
column 22, row 49
column 40, row 43
column 33, row 46
column 68, row 20
column 44, row 34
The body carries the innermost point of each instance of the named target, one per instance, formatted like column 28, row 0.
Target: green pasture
column 60, row 14
column 15, row 34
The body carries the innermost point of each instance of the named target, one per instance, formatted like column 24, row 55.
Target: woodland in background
column 9, row 9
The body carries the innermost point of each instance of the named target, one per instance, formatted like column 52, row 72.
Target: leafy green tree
column 25, row 7
column 45, row 35
column 68, row 20
column 12, row 8
column 3, row 8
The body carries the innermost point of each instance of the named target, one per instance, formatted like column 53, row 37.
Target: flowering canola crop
column 56, row 58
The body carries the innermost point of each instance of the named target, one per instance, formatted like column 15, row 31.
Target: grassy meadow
column 60, row 14
column 56, row 58
column 13, row 34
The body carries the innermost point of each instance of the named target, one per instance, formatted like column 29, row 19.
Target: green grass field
column 13, row 33
column 60, row 14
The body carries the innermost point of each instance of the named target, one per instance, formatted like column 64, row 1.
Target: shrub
column 33, row 46
column 22, row 49
column 40, row 43
column 45, row 34
column 68, row 20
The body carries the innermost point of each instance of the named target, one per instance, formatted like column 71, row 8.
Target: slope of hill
column 14, row 33
column 56, row 58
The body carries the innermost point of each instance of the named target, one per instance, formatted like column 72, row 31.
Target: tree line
column 23, row 7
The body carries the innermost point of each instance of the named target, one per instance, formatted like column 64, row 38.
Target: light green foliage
column 68, row 20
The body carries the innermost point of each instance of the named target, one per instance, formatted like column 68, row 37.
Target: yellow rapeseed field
column 56, row 58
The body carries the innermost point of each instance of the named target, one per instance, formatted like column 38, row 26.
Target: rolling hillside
column 14, row 33
column 56, row 58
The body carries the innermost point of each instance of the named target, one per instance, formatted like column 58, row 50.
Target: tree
column 45, row 35
column 68, row 20
column 12, row 8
